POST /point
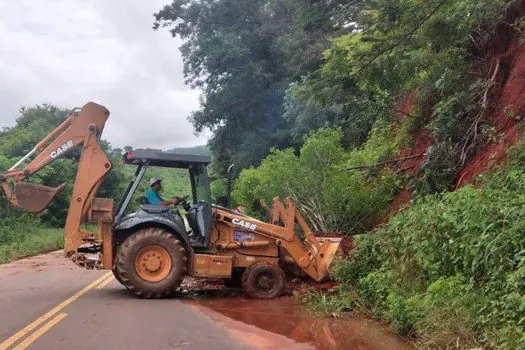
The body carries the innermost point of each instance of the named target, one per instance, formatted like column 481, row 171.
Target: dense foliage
column 427, row 49
column 451, row 268
column 333, row 198
column 271, row 71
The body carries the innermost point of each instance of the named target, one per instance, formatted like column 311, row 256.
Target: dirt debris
column 197, row 288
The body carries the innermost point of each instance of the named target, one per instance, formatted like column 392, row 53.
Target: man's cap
column 153, row 181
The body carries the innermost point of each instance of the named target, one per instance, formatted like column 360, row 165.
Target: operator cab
column 198, row 214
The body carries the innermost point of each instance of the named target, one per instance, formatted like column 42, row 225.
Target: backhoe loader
column 151, row 250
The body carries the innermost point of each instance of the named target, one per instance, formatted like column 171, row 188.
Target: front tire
column 151, row 263
column 262, row 280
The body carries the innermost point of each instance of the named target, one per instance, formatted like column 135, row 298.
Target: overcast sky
column 69, row 52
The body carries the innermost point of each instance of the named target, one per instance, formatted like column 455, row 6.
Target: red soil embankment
column 510, row 109
column 507, row 99
column 413, row 157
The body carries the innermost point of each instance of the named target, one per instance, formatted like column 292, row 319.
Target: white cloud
column 68, row 52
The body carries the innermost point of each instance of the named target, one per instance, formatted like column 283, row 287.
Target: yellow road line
column 21, row 333
column 107, row 277
column 105, row 283
column 39, row 332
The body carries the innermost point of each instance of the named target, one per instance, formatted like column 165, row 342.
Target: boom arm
column 82, row 128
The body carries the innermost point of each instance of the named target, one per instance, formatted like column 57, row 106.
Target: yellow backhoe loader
column 151, row 250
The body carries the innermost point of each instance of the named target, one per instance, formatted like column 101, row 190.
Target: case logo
column 244, row 224
column 64, row 147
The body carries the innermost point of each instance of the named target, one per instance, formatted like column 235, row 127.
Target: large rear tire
column 262, row 280
column 151, row 263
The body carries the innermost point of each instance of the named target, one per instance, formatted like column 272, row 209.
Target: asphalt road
column 46, row 302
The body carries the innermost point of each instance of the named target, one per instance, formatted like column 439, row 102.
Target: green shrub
column 373, row 290
column 331, row 197
column 446, row 314
column 365, row 258
column 401, row 314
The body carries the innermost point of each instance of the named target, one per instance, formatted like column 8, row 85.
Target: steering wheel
column 184, row 202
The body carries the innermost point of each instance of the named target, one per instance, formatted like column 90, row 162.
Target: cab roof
column 164, row 159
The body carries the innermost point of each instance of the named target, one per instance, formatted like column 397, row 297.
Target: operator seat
column 196, row 220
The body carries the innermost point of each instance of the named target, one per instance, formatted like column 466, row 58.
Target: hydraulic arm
column 81, row 129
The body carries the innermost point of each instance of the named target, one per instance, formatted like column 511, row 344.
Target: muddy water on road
column 260, row 322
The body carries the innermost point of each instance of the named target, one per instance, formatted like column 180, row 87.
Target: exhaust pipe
column 229, row 186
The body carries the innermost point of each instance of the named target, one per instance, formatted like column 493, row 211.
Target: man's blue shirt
column 153, row 197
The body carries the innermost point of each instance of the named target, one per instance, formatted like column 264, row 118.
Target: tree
column 243, row 55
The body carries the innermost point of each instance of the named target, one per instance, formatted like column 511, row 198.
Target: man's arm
column 174, row 201
column 154, row 198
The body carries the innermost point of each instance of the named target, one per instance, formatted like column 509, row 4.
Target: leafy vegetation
column 244, row 54
column 451, row 268
column 327, row 303
column 333, row 198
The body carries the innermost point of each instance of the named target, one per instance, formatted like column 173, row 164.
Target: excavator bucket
column 329, row 250
column 35, row 198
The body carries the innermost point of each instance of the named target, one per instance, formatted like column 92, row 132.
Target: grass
column 334, row 301
column 41, row 239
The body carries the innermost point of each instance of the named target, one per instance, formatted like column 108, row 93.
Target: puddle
column 283, row 323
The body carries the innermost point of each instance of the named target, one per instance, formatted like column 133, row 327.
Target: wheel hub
column 265, row 282
column 153, row 263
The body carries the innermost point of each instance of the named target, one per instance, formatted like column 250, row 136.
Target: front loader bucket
column 328, row 251
column 35, row 198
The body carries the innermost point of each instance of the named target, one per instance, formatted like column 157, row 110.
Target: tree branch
column 405, row 113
